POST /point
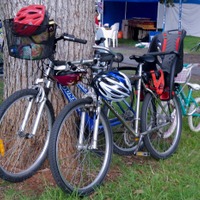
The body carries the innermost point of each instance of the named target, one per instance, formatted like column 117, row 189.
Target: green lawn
column 190, row 42
column 138, row 178
column 176, row 178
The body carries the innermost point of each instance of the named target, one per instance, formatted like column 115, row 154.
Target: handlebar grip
column 80, row 40
column 132, row 57
column 73, row 38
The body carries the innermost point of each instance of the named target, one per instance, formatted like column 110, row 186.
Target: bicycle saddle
column 142, row 59
column 194, row 86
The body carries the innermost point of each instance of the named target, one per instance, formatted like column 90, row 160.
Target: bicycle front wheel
column 164, row 120
column 79, row 167
column 22, row 154
column 194, row 117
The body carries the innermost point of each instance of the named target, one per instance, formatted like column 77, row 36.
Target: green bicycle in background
column 190, row 105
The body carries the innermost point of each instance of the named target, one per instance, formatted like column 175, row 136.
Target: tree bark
column 72, row 16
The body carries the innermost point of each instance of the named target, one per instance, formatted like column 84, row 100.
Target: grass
column 176, row 178
column 190, row 42
column 127, row 42
column 138, row 178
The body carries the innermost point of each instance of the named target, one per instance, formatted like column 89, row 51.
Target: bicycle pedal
column 141, row 153
column 136, row 139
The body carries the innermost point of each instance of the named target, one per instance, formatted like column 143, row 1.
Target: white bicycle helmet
column 112, row 85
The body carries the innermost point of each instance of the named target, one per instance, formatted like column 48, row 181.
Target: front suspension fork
column 40, row 99
column 93, row 124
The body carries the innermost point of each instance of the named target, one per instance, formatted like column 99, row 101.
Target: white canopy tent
column 188, row 16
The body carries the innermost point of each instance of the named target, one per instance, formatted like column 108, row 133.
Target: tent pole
column 180, row 14
column 164, row 17
column 125, row 10
column 102, row 14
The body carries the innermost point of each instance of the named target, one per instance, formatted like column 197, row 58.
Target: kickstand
column 140, row 153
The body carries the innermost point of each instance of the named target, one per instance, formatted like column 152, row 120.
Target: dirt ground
column 43, row 178
column 192, row 58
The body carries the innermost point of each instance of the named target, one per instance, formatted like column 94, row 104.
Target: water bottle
column 14, row 51
column 27, row 52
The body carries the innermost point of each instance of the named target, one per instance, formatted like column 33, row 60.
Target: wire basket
column 34, row 47
column 184, row 75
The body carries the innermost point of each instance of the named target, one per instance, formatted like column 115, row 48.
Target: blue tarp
column 175, row 1
column 118, row 10
column 133, row 0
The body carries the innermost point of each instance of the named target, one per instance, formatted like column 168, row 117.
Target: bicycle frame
column 68, row 94
column 135, row 131
column 71, row 97
column 186, row 99
column 137, row 118
column 43, row 91
column 94, row 123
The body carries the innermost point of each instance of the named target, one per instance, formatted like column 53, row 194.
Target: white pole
column 125, row 10
column 164, row 16
column 180, row 14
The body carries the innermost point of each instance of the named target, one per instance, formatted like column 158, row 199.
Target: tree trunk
column 72, row 16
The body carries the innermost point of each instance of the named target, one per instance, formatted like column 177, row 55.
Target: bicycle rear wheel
column 75, row 167
column 23, row 153
column 163, row 141
column 194, row 117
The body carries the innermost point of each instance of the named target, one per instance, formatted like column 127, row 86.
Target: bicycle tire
column 194, row 118
column 68, row 164
column 163, row 142
column 23, row 155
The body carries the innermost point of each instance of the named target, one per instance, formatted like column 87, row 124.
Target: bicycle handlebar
column 117, row 57
column 82, row 62
column 72, row 38
column 70, row 64
column 97, row 47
